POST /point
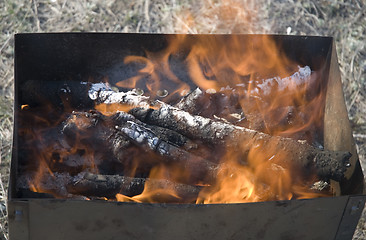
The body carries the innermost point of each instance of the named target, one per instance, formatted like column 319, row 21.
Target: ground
column 344, row 20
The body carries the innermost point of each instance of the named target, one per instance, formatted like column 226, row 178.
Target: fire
column 24, row 107
column 153, row 194
column 268, row 83
column 110, row 109
column 155, row 68
column 274, row 95
column 54, row 154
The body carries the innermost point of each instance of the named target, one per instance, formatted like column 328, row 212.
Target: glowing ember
column 25, row 106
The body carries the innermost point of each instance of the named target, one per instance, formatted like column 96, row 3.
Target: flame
column 264, row 178
column 24, row 107
column 155, row 69
column 153, row 193
column 110, row 109
column 276, row 95
column 54, row 153
column 271, row 87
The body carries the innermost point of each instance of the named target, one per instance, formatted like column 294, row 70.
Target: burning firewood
column 97, row 185
column 327, row 164
column 195, row 165
column 225, row 106
column 260, row 88
column 95, row 135
column 109, row 185
column 119, row 131
column 250, row 104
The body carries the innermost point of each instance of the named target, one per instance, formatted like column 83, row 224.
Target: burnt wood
column 87, row 184
column 327, row 164
column 121, row 130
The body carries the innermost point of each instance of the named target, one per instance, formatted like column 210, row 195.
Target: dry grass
column 344, row 20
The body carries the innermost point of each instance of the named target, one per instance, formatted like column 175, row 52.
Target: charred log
column 110, row 185
column 223, row 105
column 96, row 185
column 198, row 168
column 238, row 107
column 302, row 79
column 327, row 164
column 118, row 132
column 250, row 104
column 164, row 134
column 95, row 134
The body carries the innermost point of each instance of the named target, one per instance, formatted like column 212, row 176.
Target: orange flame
column 54, row 153
column 156, row 65
column 156, row 194
column 270, row 88
column 110, row 109
column 24, row 106
column 270, row 84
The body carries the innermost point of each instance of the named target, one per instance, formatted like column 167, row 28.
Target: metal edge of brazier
column 338, row 136
column 321, row 218
column 69, row 219
column 337, row 130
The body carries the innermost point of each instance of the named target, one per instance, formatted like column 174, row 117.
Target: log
column 226, row 106
column 97, row 185
column 102, row 185
column 327, row 164
column 190, row 102
column 119, row 131
column 303, row 79
column 264, row 105
column 198, row 168
column 95, row 134
column 164, row 134
column 46, row 184
column 223, row 105
column 93, row 124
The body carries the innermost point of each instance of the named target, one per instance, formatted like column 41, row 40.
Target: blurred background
column 345, row 20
